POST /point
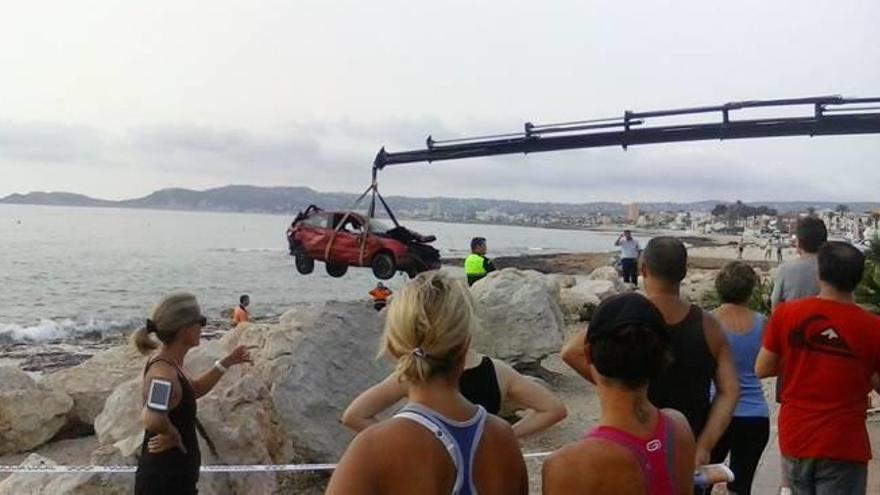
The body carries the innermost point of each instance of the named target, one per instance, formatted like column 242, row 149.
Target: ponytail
column 142, row 341
column 173, row 314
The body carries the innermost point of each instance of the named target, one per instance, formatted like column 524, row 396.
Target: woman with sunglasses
column 170, row 459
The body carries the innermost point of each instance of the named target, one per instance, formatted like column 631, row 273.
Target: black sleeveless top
column 684, row 385
column 480, row 386
column 172, row 471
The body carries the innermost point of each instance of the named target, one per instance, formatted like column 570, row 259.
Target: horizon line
column 437, row 197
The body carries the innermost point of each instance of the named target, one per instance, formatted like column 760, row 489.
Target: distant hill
column 289, row 200
column 55, row 198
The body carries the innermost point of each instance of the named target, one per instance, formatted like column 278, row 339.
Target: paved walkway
column 769, row 470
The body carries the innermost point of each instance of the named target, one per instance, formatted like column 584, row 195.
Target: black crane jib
column 831, row 115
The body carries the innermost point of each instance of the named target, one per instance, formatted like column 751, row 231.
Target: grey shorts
column 825, row 476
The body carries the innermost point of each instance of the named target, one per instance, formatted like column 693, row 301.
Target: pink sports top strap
column 654, row 454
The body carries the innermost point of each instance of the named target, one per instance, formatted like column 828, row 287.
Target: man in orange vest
column 380, row 295
column 240, row 313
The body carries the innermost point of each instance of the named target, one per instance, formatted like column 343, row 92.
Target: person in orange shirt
column 380, row 295
column 240, row 313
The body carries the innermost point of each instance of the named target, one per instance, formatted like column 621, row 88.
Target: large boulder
column 119, row 423
column 30, row 414
column 608, row 273
column 316, row 367
column 598, row 289
column 64, row 483
column 697, row 285
column 90, row 383
column 577, row 306
column 565, row 281
column 580, row 302
column 520, row 320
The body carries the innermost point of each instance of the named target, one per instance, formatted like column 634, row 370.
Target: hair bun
column 151, row 326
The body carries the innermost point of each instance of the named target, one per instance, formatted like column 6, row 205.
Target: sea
column 71, row 270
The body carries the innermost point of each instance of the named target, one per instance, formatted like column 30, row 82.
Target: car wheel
column 304, row 264
column 383, row 266
column 335, row 270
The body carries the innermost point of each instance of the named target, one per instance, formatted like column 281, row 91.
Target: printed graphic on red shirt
column 828, row 351
column 817, row 334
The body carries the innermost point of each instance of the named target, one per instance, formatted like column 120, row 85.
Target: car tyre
column 383, row 266
column 335, row 270
column 304, row 263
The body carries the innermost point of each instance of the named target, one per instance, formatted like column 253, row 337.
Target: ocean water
column 65, row 270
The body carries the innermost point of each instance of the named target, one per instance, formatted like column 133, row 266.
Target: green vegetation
column 868, row 293
column 740, row 210
column 759, row 302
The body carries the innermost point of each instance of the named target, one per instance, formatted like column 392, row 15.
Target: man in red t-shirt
column 828, row 348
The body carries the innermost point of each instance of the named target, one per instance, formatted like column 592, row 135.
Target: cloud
column 337, row 156
column 43, row 142
column 198, row 148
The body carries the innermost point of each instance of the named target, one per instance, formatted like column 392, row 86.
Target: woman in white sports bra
column 439, row 443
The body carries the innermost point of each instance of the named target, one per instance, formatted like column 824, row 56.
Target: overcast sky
column 116, row 99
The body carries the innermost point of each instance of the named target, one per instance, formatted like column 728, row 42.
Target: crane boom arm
column 832, row 115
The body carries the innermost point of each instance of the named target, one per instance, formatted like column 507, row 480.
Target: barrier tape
column 208, row 468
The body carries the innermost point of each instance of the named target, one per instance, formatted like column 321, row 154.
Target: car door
column 315, row 235
column 345, row 247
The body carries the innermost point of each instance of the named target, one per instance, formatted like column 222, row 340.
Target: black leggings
column 745, row 440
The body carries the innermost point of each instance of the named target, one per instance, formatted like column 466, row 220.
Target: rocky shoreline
column 78, row 402
column 53, row 355
column 284, row 408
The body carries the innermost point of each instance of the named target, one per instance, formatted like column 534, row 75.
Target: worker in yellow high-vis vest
column 477, row 265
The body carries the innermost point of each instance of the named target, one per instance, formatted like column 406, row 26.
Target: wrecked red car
column 342, row 239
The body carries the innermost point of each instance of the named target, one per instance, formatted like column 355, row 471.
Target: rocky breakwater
column 284, row 407
column 92, row 382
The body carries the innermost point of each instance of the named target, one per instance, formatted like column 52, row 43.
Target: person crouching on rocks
column 439, row 442
column 170, row 459
column 380, row 295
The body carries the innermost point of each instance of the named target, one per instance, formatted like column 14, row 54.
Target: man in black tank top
column 700, row 350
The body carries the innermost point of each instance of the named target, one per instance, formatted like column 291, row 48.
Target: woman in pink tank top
column 636, row 449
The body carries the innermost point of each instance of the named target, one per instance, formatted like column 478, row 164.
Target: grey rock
column 92, row 382
column 520, row 319
column 30, row 414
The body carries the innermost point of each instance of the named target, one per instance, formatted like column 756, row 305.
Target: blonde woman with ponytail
column 169, row 460
column 439, row 443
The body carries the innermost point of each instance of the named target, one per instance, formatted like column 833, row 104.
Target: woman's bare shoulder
column 590, row 466
column 680, row 423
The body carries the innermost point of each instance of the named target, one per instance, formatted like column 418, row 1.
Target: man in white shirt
column 629, row 257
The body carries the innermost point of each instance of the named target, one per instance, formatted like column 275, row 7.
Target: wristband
column 219, row 366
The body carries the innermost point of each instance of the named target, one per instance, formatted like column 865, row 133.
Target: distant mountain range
column 289, row 200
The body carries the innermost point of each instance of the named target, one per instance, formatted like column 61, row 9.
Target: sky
column 117, row 99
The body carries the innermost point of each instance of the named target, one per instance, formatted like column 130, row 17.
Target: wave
column 63, row 329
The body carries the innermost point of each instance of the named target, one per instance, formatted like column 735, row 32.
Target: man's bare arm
column 767, row 364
